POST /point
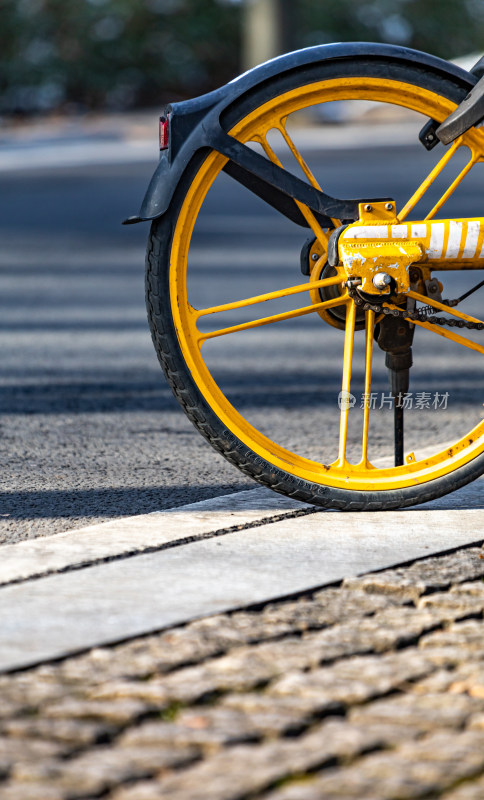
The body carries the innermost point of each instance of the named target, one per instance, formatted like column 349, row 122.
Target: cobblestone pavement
column 373, row 689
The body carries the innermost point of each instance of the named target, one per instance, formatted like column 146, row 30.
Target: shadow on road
column 111, row 502
column 288, row 390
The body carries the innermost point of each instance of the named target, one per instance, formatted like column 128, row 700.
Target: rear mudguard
column 197, row 124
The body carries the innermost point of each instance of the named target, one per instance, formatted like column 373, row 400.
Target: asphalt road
column 88, row 428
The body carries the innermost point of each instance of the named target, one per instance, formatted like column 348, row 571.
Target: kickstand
column 398, row 429
column 394, row 336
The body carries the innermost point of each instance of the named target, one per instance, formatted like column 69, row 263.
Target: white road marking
column 64, row 153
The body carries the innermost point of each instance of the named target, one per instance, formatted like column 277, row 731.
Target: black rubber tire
column 165, row 339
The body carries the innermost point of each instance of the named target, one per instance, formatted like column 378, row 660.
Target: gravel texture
column 370, row 690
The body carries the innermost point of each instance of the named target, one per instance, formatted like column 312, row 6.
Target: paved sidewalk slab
column 397, row 656
column 128, row 536
column 133, row 535
column 53, row 616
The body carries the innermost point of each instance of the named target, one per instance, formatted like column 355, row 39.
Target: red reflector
column 164, row 132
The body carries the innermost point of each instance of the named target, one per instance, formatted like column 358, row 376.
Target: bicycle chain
column 419, row 316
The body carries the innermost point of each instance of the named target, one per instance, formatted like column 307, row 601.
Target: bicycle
column 368, row 268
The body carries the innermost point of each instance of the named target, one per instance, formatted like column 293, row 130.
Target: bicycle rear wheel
column 337, row 458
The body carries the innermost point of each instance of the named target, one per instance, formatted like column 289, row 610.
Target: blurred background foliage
column 76, row 55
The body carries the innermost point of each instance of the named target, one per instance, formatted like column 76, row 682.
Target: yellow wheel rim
column 254, row 127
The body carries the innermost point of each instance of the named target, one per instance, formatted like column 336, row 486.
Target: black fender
column 196, row 124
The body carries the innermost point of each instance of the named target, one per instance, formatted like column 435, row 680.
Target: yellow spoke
column 346, row 383
column 302, row 163
column 447, row 334
column 257, row 323
column 370, row 329
column 297, row 155
column 441, row 306
column 305, row 211
column 419, row 193
column 453, row 186
column 263, row 298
